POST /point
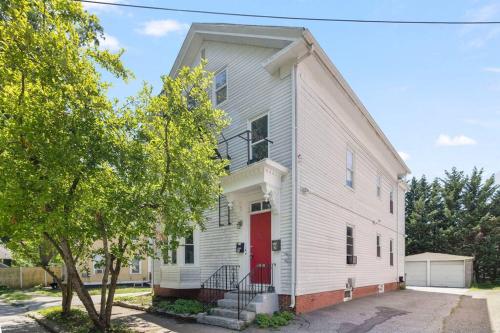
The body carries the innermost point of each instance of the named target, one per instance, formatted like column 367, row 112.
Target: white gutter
column 294, row 184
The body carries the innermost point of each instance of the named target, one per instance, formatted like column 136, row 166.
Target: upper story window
column 135, row 266
column 349, row 180
column 391, row 254
column 260, row 144
column 188, row 250
column 379, row 185
column 220, row 87
column 391, row 201
column 97, row 264
column 378, row 246
column 350, row 258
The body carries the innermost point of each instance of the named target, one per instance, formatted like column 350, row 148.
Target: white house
column 315, row 191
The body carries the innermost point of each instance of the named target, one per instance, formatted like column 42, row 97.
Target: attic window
column 220, row 87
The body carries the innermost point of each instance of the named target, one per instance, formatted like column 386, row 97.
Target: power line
column 299, row 18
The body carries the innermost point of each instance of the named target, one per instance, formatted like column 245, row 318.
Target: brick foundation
column 178, row 293
column 311, row 302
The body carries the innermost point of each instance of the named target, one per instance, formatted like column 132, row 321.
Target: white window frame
column 353, row 243
column 215, row 89
column 391, row 252
column 391, row 200
column 379, row 246
column 378, row 184
column 140, row 267
column 194, row 251
column 261, row 210
column 249, row 127
column 351, row 170
column 95, row 270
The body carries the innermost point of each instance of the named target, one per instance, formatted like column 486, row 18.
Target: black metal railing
column 260, row 280
column 224, row 279
column 245, row 136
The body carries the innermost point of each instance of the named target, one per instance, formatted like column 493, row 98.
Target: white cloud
column 159, row 28
column 458, row 140
column 478, row 36
column 109, row 42
column 484, row 13
column 404, row 156
column 492, row 69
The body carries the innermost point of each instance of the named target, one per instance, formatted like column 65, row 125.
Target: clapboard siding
column 252, row 91
column 328, row 124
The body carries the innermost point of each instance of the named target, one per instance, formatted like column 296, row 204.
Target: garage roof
column 435, row 256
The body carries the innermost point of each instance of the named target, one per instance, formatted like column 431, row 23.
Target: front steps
column 226, row 312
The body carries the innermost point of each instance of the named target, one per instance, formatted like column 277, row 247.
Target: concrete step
column 230, row 323
column 234, row 295
column 233, row 304
column 233, row 313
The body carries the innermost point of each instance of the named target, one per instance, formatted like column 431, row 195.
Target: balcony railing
column 246, row 136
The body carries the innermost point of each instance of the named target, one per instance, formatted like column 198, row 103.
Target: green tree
column 457, row 214
column 53, row 111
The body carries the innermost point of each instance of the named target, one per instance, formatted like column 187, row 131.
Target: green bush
column 276, row 320
column 182, row 306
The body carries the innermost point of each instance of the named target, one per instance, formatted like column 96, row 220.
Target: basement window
column 391, row 253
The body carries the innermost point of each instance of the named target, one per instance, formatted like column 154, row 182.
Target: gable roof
column 435, row 256
column 293, row 42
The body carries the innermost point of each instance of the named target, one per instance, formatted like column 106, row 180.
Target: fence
column 26, row 277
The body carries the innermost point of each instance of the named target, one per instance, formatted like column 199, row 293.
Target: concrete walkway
column 12, row 320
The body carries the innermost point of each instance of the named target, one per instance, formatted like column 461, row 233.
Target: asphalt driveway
column 406, row 311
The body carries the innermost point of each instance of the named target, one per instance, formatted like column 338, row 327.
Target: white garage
column 438, row 270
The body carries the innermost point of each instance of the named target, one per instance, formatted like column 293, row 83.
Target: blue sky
column 434, row 90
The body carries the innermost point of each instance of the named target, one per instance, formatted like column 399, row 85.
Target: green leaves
column 457, row 214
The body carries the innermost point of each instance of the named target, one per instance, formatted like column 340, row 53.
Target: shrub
column 182, row 306
column 276, row 320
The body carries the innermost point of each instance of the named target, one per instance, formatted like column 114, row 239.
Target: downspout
column 294, row 185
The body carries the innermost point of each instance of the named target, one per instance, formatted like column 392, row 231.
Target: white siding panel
column 252, row 91
column 328, row 124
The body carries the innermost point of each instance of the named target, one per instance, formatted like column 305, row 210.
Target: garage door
column 416, row 273
column 447, row 274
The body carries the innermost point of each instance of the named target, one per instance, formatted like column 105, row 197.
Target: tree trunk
column 67, row 297
column 77, row 285
column 111, row 292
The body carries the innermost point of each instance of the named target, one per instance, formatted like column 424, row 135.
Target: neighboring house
column 438, row 270
column 136, row 272
column 313, row 207
column 5, row 257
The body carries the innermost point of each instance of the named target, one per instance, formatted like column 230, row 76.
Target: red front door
column 260, row 247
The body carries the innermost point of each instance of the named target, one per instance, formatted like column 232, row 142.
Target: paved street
column 422, row 310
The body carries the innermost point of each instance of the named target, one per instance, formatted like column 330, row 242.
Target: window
column 172, row 259
column 98, row 264
column 349, row 180
column 350, row 258
column 378, row 246
column 258, row 206
column 220, row 87
column 379, row 185
column 259, row 134
column 391, row 201
column 188, row 250
column 135, row 266
column 391, row 254
column 202, row 54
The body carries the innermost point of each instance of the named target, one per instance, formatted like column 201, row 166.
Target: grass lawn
column 12, row 296
column 77, row 322
column 143, row 300
column 92, row 291
column 486, row 286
